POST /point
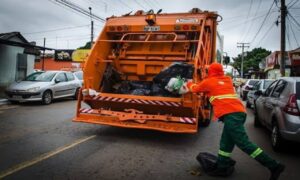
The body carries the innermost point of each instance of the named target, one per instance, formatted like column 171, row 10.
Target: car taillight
column 292, row 107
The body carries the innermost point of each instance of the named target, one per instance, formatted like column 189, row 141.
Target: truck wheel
column 248, row 105
column 205, row 122
column 276, row 140
column 76, row 94
column 47, row 97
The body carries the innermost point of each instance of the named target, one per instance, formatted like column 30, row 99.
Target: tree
column 86, row 46
column 251, row 59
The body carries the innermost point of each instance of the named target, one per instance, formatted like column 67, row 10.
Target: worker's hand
column 184, row 89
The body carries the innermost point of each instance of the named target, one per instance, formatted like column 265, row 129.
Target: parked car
column 261, row 85
column 278, row 109
column 79, row 76
column 44, row 86
column 247, row 87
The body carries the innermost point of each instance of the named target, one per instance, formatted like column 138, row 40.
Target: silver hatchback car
column 278, row 109
column 44, row 86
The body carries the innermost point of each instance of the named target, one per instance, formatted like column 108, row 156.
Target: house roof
column 7, row 38
column 10, row 35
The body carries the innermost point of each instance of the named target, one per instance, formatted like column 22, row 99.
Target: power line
column 248, row 14
column 294, row 20
column 250, row 27
column 262, row 24
column 288, row 36
column 143, row 7
column 58, row 29
column 79, row 9
column 296, row 1
column 265, row 35
column 293, row 31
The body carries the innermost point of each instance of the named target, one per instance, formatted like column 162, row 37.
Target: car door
column 61, row 85
column 72, row 85
column 261, row 101
column 272, row 102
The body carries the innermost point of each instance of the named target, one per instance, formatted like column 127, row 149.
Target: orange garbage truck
column 130, row 63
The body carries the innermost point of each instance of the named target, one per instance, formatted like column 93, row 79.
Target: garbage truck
column 133, row 59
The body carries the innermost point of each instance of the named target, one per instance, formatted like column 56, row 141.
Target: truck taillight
column 119, row 28
column 177, row 28
column 185, row 27
column 112, row 28
column 292, row 107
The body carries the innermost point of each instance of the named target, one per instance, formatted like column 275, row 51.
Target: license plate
column 16, row 97
column 151, row 28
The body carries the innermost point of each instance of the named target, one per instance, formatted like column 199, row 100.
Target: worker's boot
column 221, row 170
column 275, row 173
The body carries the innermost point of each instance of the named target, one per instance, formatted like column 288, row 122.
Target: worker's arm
column 202, row 86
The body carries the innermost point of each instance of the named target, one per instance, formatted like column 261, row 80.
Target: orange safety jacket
column 220, row 90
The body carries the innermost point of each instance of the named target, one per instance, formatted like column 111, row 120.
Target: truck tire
column 205, row 122
column 76, row 93
column 248, row 105
column 47, row 97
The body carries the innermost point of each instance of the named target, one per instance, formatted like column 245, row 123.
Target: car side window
column 257, row 85
column 279, row 88
column 270, row 88
column 70, row 76
column 61, row 77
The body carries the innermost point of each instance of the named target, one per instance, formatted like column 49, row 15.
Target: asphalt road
column 41, row 142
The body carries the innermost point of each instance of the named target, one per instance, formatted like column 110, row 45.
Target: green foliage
column 86, row 46
column 251, row 59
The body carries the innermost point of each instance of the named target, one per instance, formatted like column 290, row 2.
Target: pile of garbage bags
column 112, row 82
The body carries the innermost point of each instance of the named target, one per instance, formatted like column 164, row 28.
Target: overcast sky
column 241, row 20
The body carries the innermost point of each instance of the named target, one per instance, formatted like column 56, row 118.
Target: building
column 17, row 58
column 273, row 62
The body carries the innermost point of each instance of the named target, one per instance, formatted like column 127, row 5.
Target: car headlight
column 33, row 89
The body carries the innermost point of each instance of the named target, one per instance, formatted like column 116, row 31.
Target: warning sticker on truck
column 187, row 20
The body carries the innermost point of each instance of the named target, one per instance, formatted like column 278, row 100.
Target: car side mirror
column 258, row 93
column 57, row 81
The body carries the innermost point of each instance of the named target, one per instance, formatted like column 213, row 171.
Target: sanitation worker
column 230, row 110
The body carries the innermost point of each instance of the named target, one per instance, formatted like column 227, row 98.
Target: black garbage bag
column 140, row 84
column 208, row 162
column 177, row 69
column 156, row 90
column 110, row 78
column 124, row 88
column 141, row 92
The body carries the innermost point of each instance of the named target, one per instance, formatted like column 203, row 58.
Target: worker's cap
column 215, row 69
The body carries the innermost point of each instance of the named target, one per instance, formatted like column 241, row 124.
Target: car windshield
column 79, row 74
column 298, row 90
column 267, row 83
column 41, row 76
column 252, row 82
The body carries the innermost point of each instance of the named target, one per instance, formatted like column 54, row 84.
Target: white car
column 44, row 86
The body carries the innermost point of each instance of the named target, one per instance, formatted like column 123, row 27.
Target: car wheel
column 76, row 93
column 47, row 97
column 256, row 120
column 276, row 139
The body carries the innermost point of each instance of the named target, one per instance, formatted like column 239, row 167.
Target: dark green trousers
column 234, row 134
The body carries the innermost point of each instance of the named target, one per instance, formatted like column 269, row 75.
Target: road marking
column 42, row 157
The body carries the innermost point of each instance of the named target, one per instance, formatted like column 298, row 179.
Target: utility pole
column 283, row 14
column 43, row 63
column 92, row 27
column 243, row 46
